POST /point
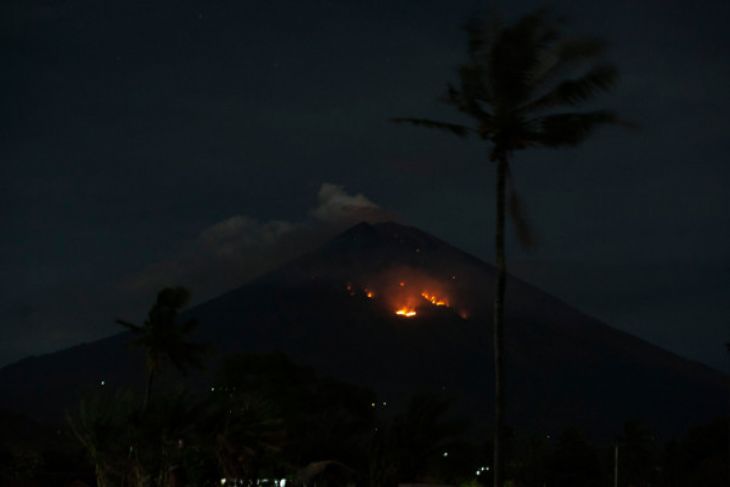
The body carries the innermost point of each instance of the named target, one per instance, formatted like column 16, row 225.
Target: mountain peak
column 369, row 236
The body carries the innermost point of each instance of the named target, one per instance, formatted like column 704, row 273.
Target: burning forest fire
column 433, row 299
column 406, row 311
column 409, row 310
column 405, row 297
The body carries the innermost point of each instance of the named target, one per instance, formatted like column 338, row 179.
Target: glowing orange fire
column 403, row 296
column 406, row 312
column 433, row 299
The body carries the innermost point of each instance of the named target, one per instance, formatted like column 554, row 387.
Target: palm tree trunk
column 148, row 388
column 498, row 323
column 100, row 475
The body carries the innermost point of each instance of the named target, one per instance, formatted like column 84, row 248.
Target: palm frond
column 481, row 33
column 515, row 54
column 471, row 98
column 130, row 326
column 570, row 129
column 189, row 326
column 564, row 57
column 453, row 128
column 574, row 91
column 186, row 355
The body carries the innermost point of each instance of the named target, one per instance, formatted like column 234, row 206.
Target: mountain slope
column 335, row 309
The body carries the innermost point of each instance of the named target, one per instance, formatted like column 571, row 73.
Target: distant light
column 103, row 382
column 372, row 404
column 223, row 481
column 446, row 454
column 282, row 483
column 479, row 472
column 385, row 403
column 212, row 389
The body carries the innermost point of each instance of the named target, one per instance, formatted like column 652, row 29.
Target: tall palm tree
column 520, row 86
column 162, row 338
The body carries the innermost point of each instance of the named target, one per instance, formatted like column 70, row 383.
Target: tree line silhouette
column 263, row 418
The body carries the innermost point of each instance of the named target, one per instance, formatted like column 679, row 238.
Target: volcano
column 395, row 309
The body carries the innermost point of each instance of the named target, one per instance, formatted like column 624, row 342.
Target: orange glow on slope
column 406, row 312
column 433, row 299
column 407, row 293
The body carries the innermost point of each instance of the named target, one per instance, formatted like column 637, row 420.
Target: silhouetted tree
column 325, row 420
column 102, row 425
column 166, row 440
column 574, row 462
column 699, row 457
column 530, row 460
column 162, row 338
column 417, row 444
column 639, row 455
column 520, row 86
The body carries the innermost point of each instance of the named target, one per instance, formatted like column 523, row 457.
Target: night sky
column 197, row 142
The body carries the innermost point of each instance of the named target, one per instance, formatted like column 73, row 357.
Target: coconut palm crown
column 522, row 83
column 163, row 339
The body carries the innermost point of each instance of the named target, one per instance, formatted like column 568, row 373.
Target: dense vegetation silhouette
column 264, row 417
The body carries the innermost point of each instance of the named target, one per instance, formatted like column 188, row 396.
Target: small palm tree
column 520, row 86
column 162, row 338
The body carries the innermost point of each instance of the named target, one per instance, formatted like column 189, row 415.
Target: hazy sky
column 145, row 141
